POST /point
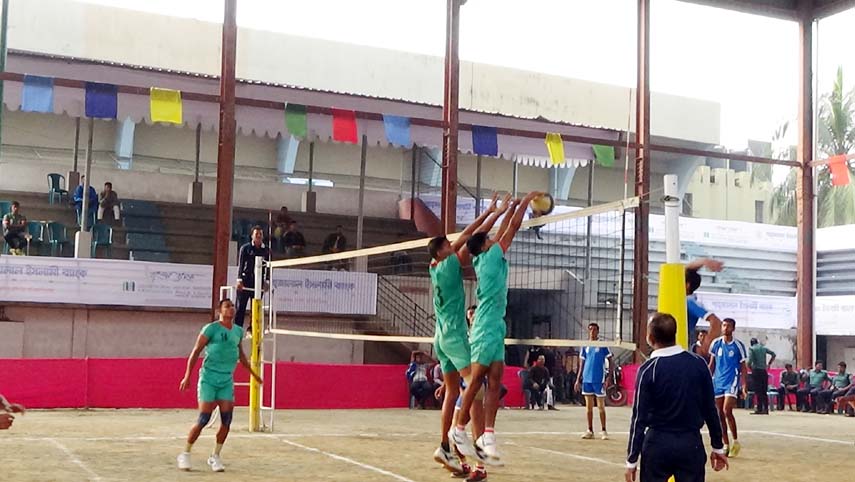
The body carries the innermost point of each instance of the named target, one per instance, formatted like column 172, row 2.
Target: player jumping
column 451, row 341
column 727, row 364
column 221, row 340
column 487, row 338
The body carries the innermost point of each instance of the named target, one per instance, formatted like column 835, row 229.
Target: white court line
column 567, row 454
column 802, row 437
column 350, row 461
column 74, row 459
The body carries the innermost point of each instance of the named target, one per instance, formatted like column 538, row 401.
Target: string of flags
column 165, row 105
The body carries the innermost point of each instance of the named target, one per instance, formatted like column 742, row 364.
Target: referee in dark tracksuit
column 246, row 271
column 673, row 400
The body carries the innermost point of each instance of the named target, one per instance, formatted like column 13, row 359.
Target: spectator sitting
column 283, row 220
column 789, row 385
column 537, row 381
column 418, row 378
column 336, row 243
column 840, row 384
column 810, row 393
column 294, row 242
column 108, row 200
column 847, row 397
column 6, row 411
column 15, row 230
column 78, row 202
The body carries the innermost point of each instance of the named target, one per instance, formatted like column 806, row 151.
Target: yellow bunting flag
column 555, row 146
column 166, row 106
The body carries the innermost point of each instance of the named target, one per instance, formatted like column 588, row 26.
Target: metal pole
column 642, row 180
column 590, row 223
column 450, row 117
column 255, row 355
column 225, row 152
column 805, row 195
column 415, row 155
column 76, row 143
column 672, row 220
column 515, row 179
column 4, row 27
column 311, row 163
column 84, row 210
column 198, row 150
column 478, row 186
column 361, row 219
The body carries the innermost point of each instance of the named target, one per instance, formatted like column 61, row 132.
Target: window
column 687, row 204
column 759, row 209
column 712, row 177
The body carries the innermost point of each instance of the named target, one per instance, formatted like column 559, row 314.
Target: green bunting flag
column 605, row 155
column 295, row 119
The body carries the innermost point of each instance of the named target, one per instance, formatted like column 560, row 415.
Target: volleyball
column 543, row 203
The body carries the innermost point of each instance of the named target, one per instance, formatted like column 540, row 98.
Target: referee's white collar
column 670, row 351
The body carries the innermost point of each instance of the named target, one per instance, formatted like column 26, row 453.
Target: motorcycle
column 615, row 393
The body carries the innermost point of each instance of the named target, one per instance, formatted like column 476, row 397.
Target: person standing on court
column 759, row 376
column 592, row 367
column 673, row 401
column 246, row 281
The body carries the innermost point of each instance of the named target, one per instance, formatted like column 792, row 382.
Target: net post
column 255, row 357
column 672, row 274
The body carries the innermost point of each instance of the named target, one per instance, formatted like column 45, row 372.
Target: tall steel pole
column 225, row 153
column 450, row 111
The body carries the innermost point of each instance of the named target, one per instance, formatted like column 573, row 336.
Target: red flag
column 839, row 170
column 344, row 126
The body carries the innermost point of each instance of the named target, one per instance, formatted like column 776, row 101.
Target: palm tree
column 835, row 135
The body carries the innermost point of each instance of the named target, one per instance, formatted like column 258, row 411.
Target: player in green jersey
column 221, row 340
column 487, row 338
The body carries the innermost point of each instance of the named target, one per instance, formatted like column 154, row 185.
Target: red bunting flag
column 344, row 126
column 839, row 170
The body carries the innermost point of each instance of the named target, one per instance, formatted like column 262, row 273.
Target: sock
column 217, row 449
column 461, row 427
column 489, row 430
column 188, row 447
column 725, row 448
column 445, row 446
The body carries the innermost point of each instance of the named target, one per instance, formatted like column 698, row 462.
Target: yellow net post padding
column 255, row 362
column 672, row 298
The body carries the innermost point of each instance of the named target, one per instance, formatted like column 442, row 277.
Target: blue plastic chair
column 56, row 187
column 102, row 235
column 58, row 237
column 36, row 229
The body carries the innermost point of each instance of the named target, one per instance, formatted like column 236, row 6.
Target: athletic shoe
column 216, row 464
column 184, row 461
column 477, row 475
column 488, row 450
column 589, row 435
column 734, row 449
column 447, row 460
column 461, row 441
column 604, row 435
column 464, row 472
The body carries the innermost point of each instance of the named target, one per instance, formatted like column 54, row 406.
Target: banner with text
column 754, row 311
column 834, row 315
column 138, row 283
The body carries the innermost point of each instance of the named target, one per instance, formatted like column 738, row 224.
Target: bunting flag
column 295, row 120
column 101, row 100
column 485, row 141
column 344, row 126
column 555, row 146
column 397, row 130
column 605, row 155
column 165, row 106
column 37, row 95
column 839, row 170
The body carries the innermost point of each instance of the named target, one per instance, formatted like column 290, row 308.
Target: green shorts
column 452, row 351
column 488, row 345
column 213, row 390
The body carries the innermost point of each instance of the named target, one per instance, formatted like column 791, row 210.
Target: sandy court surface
column 369, row 445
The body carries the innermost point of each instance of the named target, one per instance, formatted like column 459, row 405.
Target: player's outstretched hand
column 506, row 203
column 492, row 207
column 718, row 462
column 185, row 382
column 6, row 420
column 630, row 475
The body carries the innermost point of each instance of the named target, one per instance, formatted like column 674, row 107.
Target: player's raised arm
column 506, row 235
column 501, row 209
column 460, row 242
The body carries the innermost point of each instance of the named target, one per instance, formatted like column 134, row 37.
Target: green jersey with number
column 492, row 271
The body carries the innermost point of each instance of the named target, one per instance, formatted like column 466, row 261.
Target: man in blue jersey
column 592, row 365
column 728, row 366
column 696, row 311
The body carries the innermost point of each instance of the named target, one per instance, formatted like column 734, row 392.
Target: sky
column 746, row 63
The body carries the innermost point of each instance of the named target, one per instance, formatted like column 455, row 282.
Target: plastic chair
column 58, row 237
column 36, row 230
column 5, row 208
column 56, row 187
column 102, row 235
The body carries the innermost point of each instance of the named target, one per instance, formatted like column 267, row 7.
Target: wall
column 723, row 199
column 840, row 348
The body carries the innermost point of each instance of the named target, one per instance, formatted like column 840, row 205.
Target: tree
column 835, row 135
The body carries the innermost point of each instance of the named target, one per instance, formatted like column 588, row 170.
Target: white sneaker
column 447, row 460
column 461, row 440
column 488, row 449
column 184, row 461
column 589, row 435
column 604, row 435
column 216, row 464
